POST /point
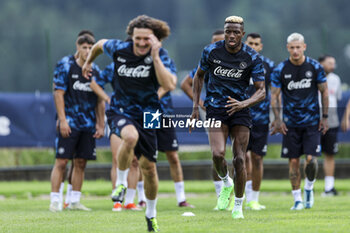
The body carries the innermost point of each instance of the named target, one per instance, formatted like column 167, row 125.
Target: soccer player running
column 230, row 65
column 141, row 67
column 186, row 86
column 329, row 141
column 257, row 146
column 78, row 125
column 299, row 78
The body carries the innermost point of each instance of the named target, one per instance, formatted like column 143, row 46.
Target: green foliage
column 32, row 41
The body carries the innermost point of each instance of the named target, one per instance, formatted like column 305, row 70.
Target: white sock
column 151, row 211
column 238, row 203
column 309, row 185
column 140, row 191
column 75, row 196
column 255, row 196
column 68, row 194
column 328, row 183
column 180, row 191
column 54, row 197
column 61, row 192
column 248, row 190
column 228, row 182
column 129, row 196
column 122, row 177
column 218, row 186
column 297, row 195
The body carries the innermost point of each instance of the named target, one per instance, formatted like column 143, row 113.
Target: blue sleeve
column 258, row 70
column 192, row 73
column 97, row 77
column 321, row 76
column 276, row 76
column 111, row 46
column 203, row 63
column 60, row 75
column 167, row 62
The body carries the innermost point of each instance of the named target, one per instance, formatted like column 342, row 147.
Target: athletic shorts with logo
column 242, row 117
column 329, row 141
column 301, row 140
column 167, row 140
column 79, row 144
column 147, row 143
column 258, row 139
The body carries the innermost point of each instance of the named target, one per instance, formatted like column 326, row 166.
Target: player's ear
column 305, row 46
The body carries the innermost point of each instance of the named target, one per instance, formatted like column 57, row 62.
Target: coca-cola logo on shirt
column 230, row 73
column 78, row 86
column 140, row 71
column 302, row 84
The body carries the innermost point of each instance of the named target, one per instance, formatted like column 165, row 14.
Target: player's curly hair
column 160, row 28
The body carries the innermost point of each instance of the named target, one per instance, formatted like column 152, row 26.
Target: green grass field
column 25, row 209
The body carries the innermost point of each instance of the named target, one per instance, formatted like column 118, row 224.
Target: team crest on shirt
column 243, row 65
column 308, row 74
column 121, row 122
column 148, row 60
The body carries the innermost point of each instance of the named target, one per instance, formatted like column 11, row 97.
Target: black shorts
column 79, row 144
column 238, row 118
column 258, row 139
column 167, row 140
column 301, row 140
column 147, row 143
column 329, row 141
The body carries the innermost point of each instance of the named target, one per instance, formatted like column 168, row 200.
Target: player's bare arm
column 198, row 81
column 277, row 126
column 95, row 51
column 345, row 121
column 100, row 118
column 64, row 128
column 235, row 105
column 166, row 79
column 323, row 88
column 99, row 91
column 186, row 86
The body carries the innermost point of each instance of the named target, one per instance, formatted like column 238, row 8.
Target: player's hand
column 87, row 70
column 323, row 125
column 345, row 124
column 234, row 105
column 195, row 115
column 156, row 45
column 65, row 129
column 57, row 125
column 100, row 131
column 278, row 126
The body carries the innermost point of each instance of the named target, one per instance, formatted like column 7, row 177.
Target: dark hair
column 324, row 57
column 218, row 32
column 254, row 35
column 160, row 28
column 88, row 32
column 85, row 39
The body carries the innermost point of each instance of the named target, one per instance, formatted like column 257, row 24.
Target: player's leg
column 177, row 176
column 86, row 150
column 295, row 179
column 257, row 174
column 312, row 148
column 141, row 192
column 248, row 185
column 67, row 200
column 133, row 178
column 329, row 144
column 56, row 180
column 217, row 140
column 240, row 136
column 149, row 172
column 115, row 142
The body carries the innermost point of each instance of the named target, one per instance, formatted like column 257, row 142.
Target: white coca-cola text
column 302, row 84
column 231, row 73
column 135, row 72
column 78, row 86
